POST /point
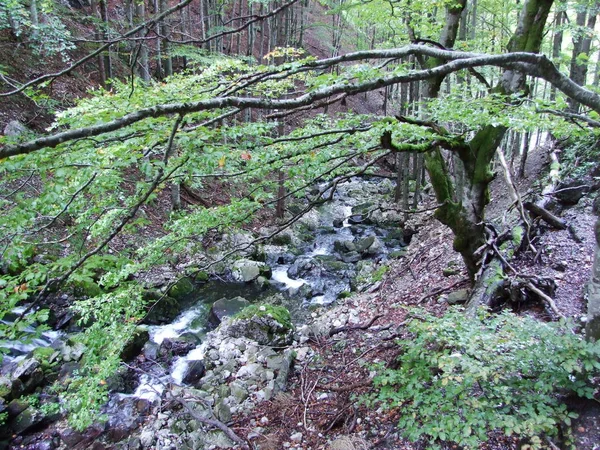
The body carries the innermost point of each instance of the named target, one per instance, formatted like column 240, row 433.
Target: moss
column 517, row 235
column 182, row 288
column 279, row 313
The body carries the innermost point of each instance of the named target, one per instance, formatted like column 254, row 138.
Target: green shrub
column 460, row 378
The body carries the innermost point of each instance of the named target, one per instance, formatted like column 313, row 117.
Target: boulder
column 371, row 245
column 26, row 420
column 265, row 324
column 344, row 246
column 246, row 270
column 458, row 297
column 181, row 289
column 570, row 192
column 135, row 344
column 194, row 373
column 338, row 223
column 15, row 128
column 226, row 307
column 162, row 309
column 300, row 267
column 170, row 348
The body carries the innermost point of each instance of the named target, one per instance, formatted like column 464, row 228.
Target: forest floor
column 323, row 400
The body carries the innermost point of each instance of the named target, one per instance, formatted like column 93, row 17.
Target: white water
column 280, row 275
column 181, row 324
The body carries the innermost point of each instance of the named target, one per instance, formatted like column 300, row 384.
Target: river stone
column 338, row 223
column 344, row 246
column 181, row 289
column 222, row 411
column 226, row 307
column 300, row 267
column 246, row 270
column 194, row 372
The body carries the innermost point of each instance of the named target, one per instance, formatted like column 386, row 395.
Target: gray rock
column 263, row 329
column 226, row 307
column 570, row 192
column 344, row 247
column 246, row 270
column 458, row 297
column 15, row 128
column 26, row 420
column 222, row 411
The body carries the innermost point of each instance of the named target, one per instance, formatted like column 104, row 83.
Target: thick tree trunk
column 463, row 210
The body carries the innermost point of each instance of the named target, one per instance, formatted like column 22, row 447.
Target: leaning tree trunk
column 592, row 328
column 463, row 211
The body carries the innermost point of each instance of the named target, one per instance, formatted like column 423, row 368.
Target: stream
column 338, row 248
column 334, row 257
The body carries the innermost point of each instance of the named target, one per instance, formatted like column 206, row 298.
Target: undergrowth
column 460, row 378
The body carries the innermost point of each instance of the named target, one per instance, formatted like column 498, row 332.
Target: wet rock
column 300, row 267
column 194, row 372
column 226, row 307
column 181, row 289
column 344, row 247
column 171, row 348
column 135, row 344
column 246, row 270
column 358, row 219
column 371, row 245
column 351, row 257
column 163, row 309
column 338, row 223
column 27, row 376
column 16, row 407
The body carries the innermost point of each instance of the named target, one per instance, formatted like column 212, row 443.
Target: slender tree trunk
column 165, row 32
column 581, row 50
column 143, row 65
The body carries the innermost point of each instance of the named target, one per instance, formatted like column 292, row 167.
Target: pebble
column 296, row 437
column 264, row 420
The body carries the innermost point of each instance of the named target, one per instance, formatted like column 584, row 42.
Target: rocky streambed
column 227, row 339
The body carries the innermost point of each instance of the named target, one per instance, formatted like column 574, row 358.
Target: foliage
column 461, row 378
column 48, row 37
column 580, row 155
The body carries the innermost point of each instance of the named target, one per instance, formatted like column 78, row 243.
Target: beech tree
column 171, row 134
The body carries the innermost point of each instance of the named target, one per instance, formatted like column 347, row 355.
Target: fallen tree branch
column 529, row 285
column 545, row 215
column 366, row 326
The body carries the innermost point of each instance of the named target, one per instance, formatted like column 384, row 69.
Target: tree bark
column 592, row 327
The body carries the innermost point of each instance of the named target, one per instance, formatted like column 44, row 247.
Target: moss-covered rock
column 181, row 289
column 265, row 324
column 162, row 308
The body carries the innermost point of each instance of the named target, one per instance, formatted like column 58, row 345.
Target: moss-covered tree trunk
column 463, row 209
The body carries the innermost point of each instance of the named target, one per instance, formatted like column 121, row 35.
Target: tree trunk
column 165, row 32
column 592, row 327
column 463, row 211
column 581, row 50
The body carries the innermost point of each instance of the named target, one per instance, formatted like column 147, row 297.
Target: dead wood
column 337, row 330
column 545, row 215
